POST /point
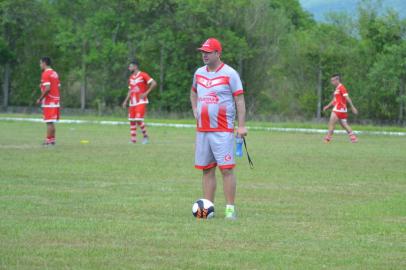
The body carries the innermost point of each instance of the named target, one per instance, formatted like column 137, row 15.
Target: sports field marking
column 23, row 146
column 155, row 124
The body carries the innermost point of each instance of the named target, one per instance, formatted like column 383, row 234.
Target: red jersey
column 51, row 78
column 340, row 102
column 137, row 85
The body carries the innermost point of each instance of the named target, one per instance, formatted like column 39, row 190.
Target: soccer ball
column 203, row 208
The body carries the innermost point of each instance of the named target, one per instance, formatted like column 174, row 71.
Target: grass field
column 111, row 205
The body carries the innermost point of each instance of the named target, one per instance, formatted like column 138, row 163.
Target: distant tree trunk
column 115, row 33
column 161, row 70
column 319, row 92
column 83, row 88
column 240, row 66
column 402, row 98
column 132, row 50
column 6, row 84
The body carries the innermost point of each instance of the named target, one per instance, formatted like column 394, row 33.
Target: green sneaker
column 231, row 213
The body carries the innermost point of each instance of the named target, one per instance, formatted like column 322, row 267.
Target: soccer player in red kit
column 49, row 98
column 339, row 112
column 140, row 84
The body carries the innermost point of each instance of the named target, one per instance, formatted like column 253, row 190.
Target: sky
column 319, row 7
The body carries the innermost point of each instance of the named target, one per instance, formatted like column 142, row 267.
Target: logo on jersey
column 136, row 81
column 54, row 75
column 208, row 83
column 133, row 84
column 210, row 98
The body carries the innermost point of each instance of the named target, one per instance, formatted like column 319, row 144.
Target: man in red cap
column 216, row 93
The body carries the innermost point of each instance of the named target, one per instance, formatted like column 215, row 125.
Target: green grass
column 111, row 205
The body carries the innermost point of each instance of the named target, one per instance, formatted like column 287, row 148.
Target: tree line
column 285, row 57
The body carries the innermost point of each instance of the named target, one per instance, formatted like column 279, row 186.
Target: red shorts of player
column 136, row 113
column 50, row 114
column 341, row 115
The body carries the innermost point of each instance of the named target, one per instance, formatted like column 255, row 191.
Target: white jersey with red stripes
column 215, row 98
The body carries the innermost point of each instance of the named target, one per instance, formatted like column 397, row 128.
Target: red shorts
column 136, row 113
column 341, row 115
column 50, row 114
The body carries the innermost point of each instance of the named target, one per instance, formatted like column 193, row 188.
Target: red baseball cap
column 211, row 45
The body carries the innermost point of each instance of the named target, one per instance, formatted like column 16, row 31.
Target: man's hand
column 325, row 108
column 354, row 110
column 242, row 132
column 39, row 101
column 124, row 105
column 193, row 102
column 143, row 95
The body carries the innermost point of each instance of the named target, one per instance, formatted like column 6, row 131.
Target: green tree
column 26, row 29
column 387, row 81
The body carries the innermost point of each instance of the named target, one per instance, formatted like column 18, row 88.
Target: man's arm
column 193, row 101
column 354, row 110
column 328, row 105
column 43, row 94
column 240, row 104
column 125, row 102
column 152, row 84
